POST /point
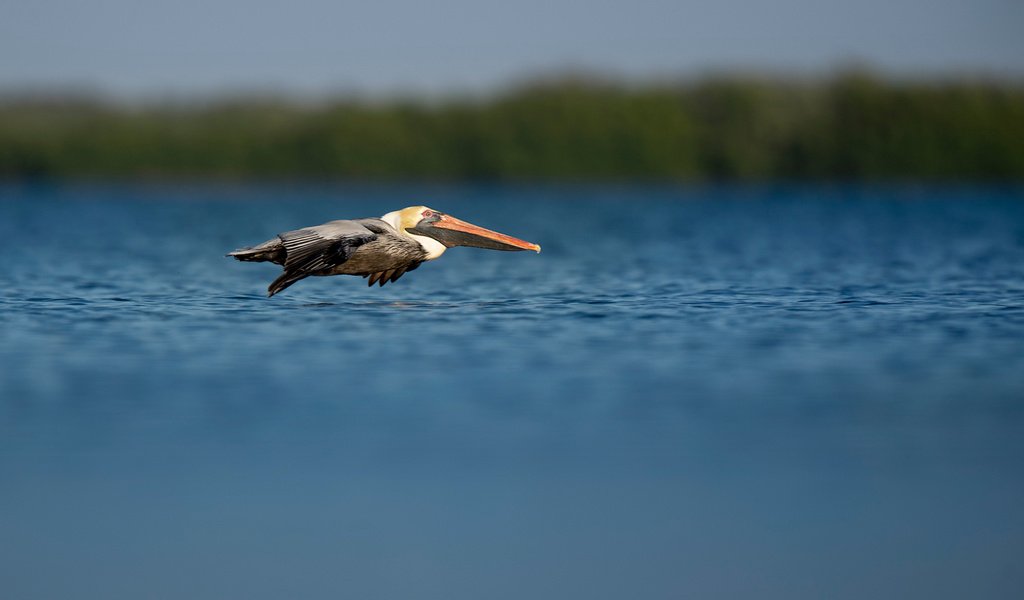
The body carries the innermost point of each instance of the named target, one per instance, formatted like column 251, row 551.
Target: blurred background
column 653, row 89
column 773, row 347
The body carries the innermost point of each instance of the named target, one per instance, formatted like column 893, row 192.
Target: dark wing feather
column 391, row 276
column 315, row 249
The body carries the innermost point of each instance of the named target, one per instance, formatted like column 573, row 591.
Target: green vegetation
column 851, row 127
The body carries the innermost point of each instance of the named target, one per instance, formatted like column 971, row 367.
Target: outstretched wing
column 311, row 250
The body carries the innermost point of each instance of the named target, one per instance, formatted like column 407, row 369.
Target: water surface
column 732, row 392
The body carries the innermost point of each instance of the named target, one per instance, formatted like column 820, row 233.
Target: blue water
column 727, row 392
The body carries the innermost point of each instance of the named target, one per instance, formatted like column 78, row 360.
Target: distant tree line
column 853, row 126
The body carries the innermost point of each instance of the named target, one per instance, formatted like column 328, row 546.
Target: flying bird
column 381, row 249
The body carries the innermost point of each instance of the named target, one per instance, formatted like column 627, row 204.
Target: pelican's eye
column 428, row 213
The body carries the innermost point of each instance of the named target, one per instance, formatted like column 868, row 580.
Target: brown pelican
column 381, row 249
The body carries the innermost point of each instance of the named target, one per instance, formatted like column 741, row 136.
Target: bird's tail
column 269, row 251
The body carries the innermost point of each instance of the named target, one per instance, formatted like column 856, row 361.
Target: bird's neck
column 432, row 247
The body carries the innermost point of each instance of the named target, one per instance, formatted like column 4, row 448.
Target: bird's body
column 381, row 249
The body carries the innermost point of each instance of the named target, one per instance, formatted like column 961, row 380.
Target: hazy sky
column 138, row 47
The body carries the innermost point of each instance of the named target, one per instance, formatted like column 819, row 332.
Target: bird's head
column 445, row 231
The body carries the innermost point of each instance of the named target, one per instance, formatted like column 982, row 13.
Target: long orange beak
column 460, row 233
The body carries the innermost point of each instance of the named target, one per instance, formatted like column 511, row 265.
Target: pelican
column 381, row 249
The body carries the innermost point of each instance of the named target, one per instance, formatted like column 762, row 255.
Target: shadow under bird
column 381, row 249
